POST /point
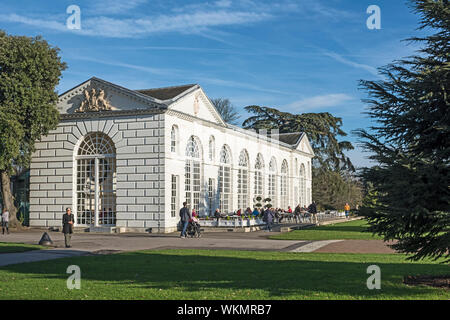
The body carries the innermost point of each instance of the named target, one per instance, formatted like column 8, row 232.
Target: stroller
column 193, row 229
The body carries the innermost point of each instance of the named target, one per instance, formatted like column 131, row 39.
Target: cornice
column 110, row 114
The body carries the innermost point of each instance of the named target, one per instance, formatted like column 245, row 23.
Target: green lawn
column 207, row 274
column 10, row 247
column 352, row 230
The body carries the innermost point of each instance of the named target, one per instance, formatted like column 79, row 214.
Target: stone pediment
column 305, row 146
column 198, row 105
column 94, row 101
column 96, row 95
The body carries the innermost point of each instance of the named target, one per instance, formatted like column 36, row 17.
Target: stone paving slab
column 38, row 255
column 312, row 246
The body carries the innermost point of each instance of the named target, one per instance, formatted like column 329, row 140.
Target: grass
column 225, row 275
column 352, row 230
column 10, row 247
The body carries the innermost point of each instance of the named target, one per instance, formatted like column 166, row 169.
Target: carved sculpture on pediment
column 196, row 104
column 94, row 102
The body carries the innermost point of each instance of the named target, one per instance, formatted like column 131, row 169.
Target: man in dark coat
column 312, row 209
column 67, row 221
column 185, row 216
column 268, row 218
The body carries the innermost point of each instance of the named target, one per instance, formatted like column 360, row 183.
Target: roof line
column 169, row 87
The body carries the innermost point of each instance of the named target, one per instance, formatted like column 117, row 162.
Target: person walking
column 67, row 221
column 185, row 217
column 5, row 221
column 347, row 210
column 217, row 215
column 268, row 218
column 297, row 214
column 313, row 211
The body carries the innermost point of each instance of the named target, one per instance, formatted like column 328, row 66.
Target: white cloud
column 240, row 85
column 150, row 70
column 44, row 23
column 318, row 102
column 223, row 3
column 102, row 7
column 187, row 23
column 343, row 60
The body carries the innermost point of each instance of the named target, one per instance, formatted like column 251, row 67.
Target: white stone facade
column 141, row 184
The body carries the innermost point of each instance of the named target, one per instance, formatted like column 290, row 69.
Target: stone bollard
column 45, row 240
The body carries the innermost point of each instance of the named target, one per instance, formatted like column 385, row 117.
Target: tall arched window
column 225, row 183
column 243, row 181
column 96, row 181
column 174, row 139
column 302, row 185
column 259, row 176
column 273, row 181
column 212, row 148
column 192, row 173
column 284, row 185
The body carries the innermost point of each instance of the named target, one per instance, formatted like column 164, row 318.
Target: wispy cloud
column 241, row 85
column 351, row 63
column 44, row 23
column 108, row 18
column 146, row 69
column 113, row 6
column 186, row 23
column 318, row 102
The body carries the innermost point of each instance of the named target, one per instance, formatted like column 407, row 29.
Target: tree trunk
column 8, row 200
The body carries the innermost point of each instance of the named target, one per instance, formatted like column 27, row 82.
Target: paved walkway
column 92, row 243
column 89, row 243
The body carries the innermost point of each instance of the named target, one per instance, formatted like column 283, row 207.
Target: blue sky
column 295, row 55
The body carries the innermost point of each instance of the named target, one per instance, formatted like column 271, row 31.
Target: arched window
column 174, row 139
column 243, row 181
column 192, row 173
column 259, row 176
column 308, row 190
column 273, row 182
column 308, row 170
column 284, row 185
column 212, row 148
column 96, row 181
column 225, row 183
column 302, row 185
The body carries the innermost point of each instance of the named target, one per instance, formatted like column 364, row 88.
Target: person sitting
column 256, row 212
column 193, row 228
column 195, row 218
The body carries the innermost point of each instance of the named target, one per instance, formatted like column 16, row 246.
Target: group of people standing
column 269, row 215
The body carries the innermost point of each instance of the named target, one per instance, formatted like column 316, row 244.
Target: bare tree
column 226, row 110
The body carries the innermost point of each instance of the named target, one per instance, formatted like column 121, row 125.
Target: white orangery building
column 128, row 159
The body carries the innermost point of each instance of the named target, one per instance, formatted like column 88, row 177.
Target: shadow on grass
column 6, row 247
column 190, row 274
